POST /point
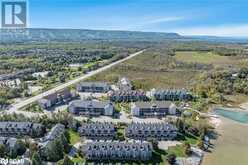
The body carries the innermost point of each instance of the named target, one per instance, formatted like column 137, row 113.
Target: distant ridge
column 42, row 35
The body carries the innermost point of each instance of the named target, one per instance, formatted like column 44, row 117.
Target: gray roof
column 151, row 126
column 97, row 84
column 158, row 104
column 20, row 125
column 88, row 104
column 171, row 91
column 3, row 140
column 129, row 92
column 11, row 142
column 52, row 96
column 55, row 132
column 118, row 145
column 97, row 125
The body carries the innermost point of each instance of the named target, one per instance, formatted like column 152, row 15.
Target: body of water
column 238, row 116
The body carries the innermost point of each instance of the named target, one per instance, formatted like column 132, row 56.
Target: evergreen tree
column 67, row 161
column 187, row 149
column 171, row 159
column 36, row 159
column 21, row 147
column 180, row 125
column 2, row 151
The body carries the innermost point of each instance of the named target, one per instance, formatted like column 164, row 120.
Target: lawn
column 204, row 58
column 178, row 150
column 122, row 106
column 78, row 160
column 73, row 137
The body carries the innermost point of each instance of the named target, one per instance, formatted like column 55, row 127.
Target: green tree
column 171, row 159
column 180, row 125
column 21, row 147
column 65, row 143
column 154, row 143
column 67, row 161
column 36, row 159
column 187, row 149
column 2, row 151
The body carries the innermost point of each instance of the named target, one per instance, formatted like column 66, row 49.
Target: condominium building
column 14, row 129
column 117, row 150
column 153, row 109
column 95, row 87
column 98, row 130
column 91, row 108
column 146, row 131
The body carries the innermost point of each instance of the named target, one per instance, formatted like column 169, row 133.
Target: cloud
column 164, row 19
column 146, row 23
column 240, row 30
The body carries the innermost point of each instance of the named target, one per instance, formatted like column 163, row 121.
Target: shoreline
column 230, row 147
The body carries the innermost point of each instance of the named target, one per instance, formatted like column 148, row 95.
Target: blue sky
column 187, row 17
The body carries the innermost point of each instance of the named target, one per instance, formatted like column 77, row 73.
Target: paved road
column 28, row 101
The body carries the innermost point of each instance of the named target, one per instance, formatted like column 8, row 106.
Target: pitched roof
column 88, row 104
column 91, row 84
column 158, row 104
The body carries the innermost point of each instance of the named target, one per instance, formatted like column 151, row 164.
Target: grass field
column 149, row 70
column 204, row 58
column 73, row 137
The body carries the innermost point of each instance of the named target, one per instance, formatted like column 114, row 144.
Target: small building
column 65, row 95
column 128, row 96
column 146, row 131
column 48, row 101
column 41, row 74
column 57, row 131
column 117, row 150
column 94, row 87
column 124, row 84
column 98, row 130
column 56, row 98
column 91, row 108
column 16, row 129
column 153, row 109
column 171, row 94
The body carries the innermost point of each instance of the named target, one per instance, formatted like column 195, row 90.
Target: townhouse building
column 56, row 98
column 91, row 108
column 153, row 109
column 146, row 131
column 128, row 96
column 94, row 87
column 98, row 130
column 117, row 150
column 16, row 129
column 171, row 94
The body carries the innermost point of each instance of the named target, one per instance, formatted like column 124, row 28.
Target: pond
column 238, row 116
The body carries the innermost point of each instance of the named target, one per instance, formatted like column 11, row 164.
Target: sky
column 186, row 17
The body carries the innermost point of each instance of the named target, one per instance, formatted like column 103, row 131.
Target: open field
column 205, row 58
column 148, row 71
column 231, row 146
